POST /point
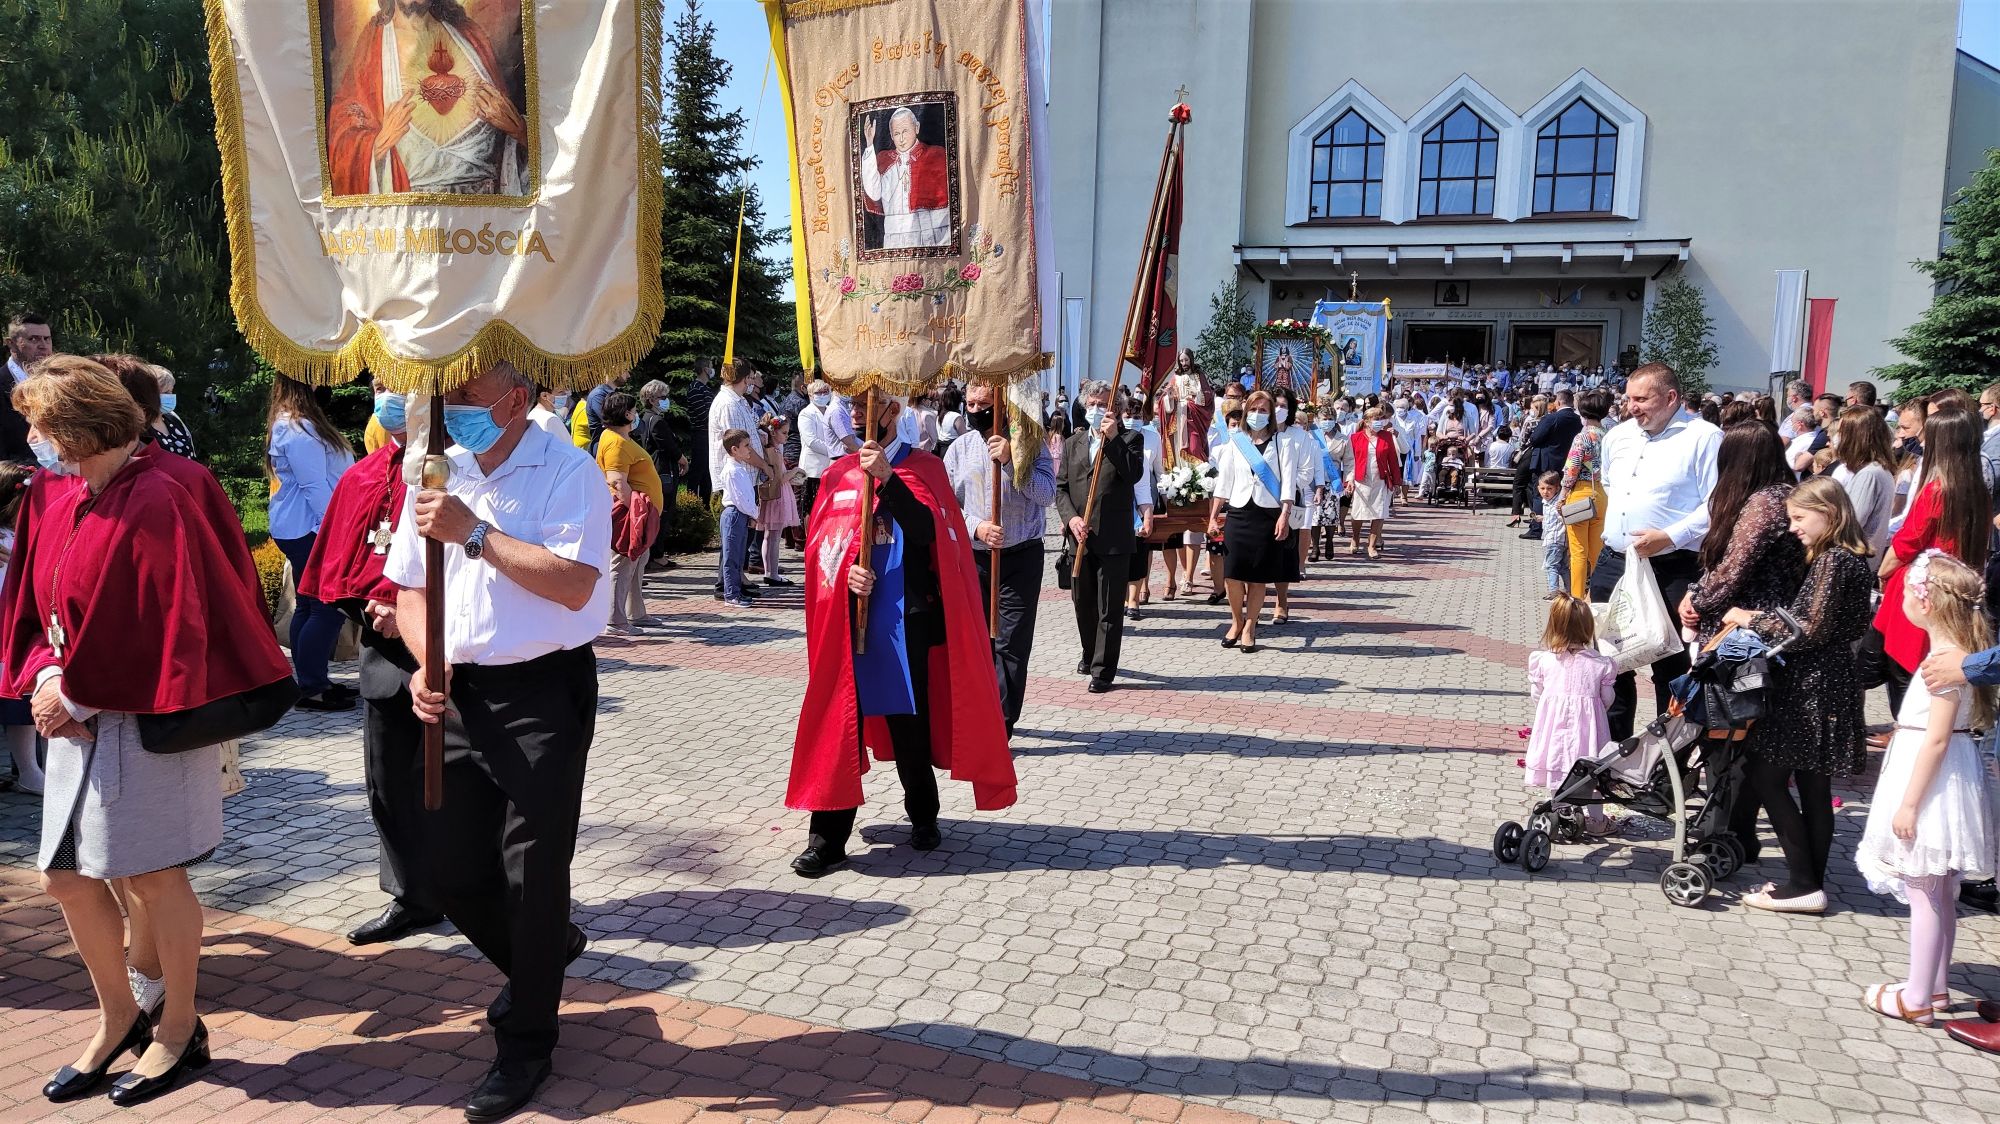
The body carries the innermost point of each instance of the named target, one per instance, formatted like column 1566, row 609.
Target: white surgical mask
column 168, row 402
column 1257, row 419
column 822, row 400
column 1093, row 416
column 1284, row 413
column 559, row 403
column 51, row 459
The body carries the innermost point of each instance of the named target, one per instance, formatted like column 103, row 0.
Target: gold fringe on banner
column 497, row 342
column 895, row 384
column 805, row 9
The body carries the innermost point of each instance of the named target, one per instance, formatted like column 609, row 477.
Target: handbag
column 1582, row 511
column 229, row 717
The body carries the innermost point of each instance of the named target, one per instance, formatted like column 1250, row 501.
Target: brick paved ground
column 1254, row 882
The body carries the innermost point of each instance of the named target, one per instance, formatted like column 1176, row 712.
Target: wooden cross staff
column 864, row 556
column 437, row 474
column 1000, row 427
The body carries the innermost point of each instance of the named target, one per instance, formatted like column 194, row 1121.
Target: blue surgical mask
column 1257, row 419
column 1378, row 425
column 50, row 459
column 472, row 428
column 168, row 402
column 1284, row 413
column 390, row 410
column 1324, row 425
column 1093, row 416
column 822, row 400
column 559, row 403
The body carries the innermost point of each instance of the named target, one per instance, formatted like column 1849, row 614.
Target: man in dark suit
column 1548, row 447
column 1107, row 541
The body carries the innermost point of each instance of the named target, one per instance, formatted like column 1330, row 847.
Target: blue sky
column 1979, row 29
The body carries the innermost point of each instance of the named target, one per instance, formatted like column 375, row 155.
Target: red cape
column 159, row 616
column 968, row 737
column 930, row 185
column 355, row 115
column 211, row 501
column 1387, row 461
column 344, row 565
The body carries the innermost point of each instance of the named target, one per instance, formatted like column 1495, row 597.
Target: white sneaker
column 1761, row 898
column 147, row 992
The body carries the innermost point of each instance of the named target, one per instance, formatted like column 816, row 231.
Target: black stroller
column 1650, row 774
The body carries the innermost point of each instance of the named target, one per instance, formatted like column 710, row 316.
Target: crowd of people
column 920, row 599
column 1878, row 552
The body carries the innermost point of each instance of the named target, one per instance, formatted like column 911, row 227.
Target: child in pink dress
column 1571, row 686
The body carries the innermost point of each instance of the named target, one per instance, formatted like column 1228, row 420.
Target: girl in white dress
column 1930, row 822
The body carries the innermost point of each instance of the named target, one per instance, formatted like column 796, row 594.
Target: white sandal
column 1874, row 994
column 1761, row 898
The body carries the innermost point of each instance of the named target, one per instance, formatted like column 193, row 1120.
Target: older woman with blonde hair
column 127, row 621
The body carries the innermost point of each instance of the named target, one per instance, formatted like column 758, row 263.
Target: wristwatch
column 475, row 543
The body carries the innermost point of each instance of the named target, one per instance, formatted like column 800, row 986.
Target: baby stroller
column 1715, row 705
column 1450, row 479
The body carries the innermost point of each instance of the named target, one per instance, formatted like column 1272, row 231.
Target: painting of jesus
column 426, row 97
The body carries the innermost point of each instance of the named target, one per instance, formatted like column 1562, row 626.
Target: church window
column 1460, row 155
column 1576, row 161
column 1347, row 160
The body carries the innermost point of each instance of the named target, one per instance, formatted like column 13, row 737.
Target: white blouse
column 1236, row 481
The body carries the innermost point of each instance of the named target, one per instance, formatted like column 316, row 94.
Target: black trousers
column 1676, row 570
column 1020, row 597
column 807, row 500
column 498, row 853
column 910, row 741
column 393, row 765
column 1099, row 596
column 1524, row 487
column 1804, row 829
column 1878, row 669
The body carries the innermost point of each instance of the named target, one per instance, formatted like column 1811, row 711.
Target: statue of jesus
column 1186, row 406
column 421, row 109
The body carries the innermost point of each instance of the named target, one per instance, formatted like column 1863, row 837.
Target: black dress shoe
column 508, row 1086
column 1099, row 686
column 1134, row 614
column 1981, row 895
column 1531, row 534
column 68, row 1084
column 925, row 837
column 813, row 863
column 1217, row 598
column 133, row 1089
column 325, row 700
column 1083, row 667
column 395, row 923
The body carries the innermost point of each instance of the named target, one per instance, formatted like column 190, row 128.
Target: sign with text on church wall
column 426, row 100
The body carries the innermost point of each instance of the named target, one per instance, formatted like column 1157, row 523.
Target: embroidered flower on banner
column 970, row 272
column 907, row 283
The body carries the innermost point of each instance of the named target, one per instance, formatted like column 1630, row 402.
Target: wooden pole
column 1000, row 428
column 865, row 551
column 1147, row 261
column 437, row 473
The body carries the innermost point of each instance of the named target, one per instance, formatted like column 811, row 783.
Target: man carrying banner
column 526, row 523
column 915, row 680
column 1107, row 541
column 1013, row 536
column 346, row 571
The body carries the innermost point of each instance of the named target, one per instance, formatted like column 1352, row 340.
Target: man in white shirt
column 1140, row 591
column 525, row 524
column 731, row 409
column 1659, row 468
column 818, row 446
column 1798, row 396
column 1989, row 412
column 29, row 341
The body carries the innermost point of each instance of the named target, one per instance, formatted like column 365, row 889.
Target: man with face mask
column 526, row 527
column 1107, row 540
column 925, row 667
column 346, row 570
column 1013, row 536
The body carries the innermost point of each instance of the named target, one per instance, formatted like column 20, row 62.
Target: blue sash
column 882, row 673
column 1260, row 463
column 1332, row 470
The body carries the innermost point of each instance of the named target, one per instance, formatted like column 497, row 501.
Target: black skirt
column 1251, row 553
column 1142, row 560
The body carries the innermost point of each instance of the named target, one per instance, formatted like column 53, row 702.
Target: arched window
column 1459, row 157
column 1576, row 161
column 1347, row 170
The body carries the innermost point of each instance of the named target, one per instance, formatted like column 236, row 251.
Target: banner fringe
column 896, row 384
column 498, row 341
column 804, row 9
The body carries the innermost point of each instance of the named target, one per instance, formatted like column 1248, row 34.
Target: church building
column 1516, row 177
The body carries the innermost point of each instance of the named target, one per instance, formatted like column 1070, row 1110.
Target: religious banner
column 915, row 226
column 1360, row 331
column 423, row 188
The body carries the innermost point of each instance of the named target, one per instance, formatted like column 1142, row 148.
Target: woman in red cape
column 956, row 696
column 122, row 601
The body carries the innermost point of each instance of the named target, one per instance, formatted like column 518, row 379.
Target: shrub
column 270, row 576
column 691, row 527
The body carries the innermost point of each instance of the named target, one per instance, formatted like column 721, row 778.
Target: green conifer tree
column 1956, row 343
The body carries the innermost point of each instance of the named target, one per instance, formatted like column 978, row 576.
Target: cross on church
column 1180, row 95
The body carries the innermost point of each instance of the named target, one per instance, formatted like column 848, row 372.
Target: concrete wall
column 1780, row 134
column 1975, row 122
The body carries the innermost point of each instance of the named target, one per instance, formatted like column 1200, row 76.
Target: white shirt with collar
column 1660, row 481
column 15, row 369
column 730, row 410
column 1142, row 492
column 548, row 493
column 818, row 446
column 548, row 422
column 1236, row 480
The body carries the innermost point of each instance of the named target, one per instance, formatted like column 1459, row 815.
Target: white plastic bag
column 1634, row 628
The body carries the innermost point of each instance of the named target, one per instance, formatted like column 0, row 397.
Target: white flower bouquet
column 1187, row 483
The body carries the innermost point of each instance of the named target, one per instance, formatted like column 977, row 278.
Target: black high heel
column 68, row 1084
column 133, row 1089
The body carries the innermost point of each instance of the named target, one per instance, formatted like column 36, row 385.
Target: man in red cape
column 345, row 571
column 358, row 113
column 923, row 693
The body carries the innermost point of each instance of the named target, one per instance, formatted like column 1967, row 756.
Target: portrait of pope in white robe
column 905, row 182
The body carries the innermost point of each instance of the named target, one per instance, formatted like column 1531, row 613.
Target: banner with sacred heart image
column 423, row 188
column 914, row 126
column 1360, row 331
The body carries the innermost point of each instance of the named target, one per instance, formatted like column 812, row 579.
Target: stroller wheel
column 1569, row 826
column 1685, row 884
column 1723, row 854
column 1542, row 821
column 1535, row 850
column 1507, row 843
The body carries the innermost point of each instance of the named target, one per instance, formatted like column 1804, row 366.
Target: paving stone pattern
column 1259, row 882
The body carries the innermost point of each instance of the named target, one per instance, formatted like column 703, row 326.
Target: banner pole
column 865, row 537
column 1000, row 427
column 436, row 474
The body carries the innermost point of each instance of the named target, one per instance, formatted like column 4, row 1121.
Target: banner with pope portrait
column 915, row 226
column 425, row 187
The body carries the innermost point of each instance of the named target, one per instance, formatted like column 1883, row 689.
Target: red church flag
column 1152, row 329
column 1819, row 341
